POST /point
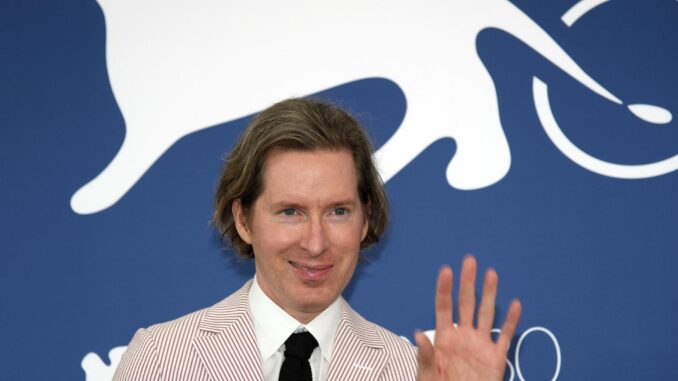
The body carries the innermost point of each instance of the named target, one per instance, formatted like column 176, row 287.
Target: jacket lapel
column 359, row 353
column 226, row 344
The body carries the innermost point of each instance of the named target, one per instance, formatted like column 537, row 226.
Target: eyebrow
column 344, row 202
column 296, row 205
column 285, row 204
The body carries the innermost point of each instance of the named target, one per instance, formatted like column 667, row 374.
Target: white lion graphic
column 177, row 67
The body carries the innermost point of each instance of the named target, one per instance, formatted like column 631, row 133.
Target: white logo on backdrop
column 95, row 368
column 649, row 113
column 177, row 67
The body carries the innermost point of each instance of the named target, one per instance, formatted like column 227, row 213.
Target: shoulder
column 175, row 332
column 209, row 318
column 151, row 347
column 156, row 349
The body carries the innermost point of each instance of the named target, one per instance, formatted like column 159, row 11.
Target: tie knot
column 300, row 345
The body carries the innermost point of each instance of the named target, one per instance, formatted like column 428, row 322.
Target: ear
column 240, row 218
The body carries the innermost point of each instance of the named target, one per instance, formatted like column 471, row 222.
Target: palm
column 466, row 352
column 465, row 355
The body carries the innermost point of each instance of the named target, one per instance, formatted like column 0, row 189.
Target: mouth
column 309, row 272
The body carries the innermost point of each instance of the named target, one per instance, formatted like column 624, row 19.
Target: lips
column 311, row 272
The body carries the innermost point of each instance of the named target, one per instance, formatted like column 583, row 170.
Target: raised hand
column 466, row 352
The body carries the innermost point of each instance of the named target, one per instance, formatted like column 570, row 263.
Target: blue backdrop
column 592, row 257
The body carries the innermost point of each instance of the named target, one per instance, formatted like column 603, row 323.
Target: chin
column 315, row 300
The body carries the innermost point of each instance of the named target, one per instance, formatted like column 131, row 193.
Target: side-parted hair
column 299, row 124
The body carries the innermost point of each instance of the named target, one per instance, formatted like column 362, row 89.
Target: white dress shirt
column 272, row 326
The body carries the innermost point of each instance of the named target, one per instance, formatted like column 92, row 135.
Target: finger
column 467, row 293
column 444, row 304
column 510, row 325
column 426, row 355
column 486, row 309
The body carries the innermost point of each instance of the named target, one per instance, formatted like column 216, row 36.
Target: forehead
column 315, row 174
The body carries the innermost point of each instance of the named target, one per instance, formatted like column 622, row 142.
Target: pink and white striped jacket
column 218, row 343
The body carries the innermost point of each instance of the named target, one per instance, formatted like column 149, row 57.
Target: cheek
column 275, row 239
column 347, row 243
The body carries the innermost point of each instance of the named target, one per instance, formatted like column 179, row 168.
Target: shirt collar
column 272, row 325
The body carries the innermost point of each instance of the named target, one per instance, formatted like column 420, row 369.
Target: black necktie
column 298, row 349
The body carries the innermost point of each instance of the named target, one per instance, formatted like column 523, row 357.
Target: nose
column 315, row 240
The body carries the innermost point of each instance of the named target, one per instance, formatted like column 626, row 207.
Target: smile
column 311, row 269
column 311, row 273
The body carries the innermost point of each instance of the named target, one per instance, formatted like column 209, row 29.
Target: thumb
column 425, row 357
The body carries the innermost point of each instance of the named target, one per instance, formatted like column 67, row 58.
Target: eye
column 340, row 211
column 288, row 212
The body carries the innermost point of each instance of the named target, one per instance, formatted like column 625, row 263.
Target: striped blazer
column 218, row 343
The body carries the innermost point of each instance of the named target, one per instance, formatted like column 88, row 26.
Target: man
column 300, row 195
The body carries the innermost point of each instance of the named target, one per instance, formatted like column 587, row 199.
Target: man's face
column 305, row 229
